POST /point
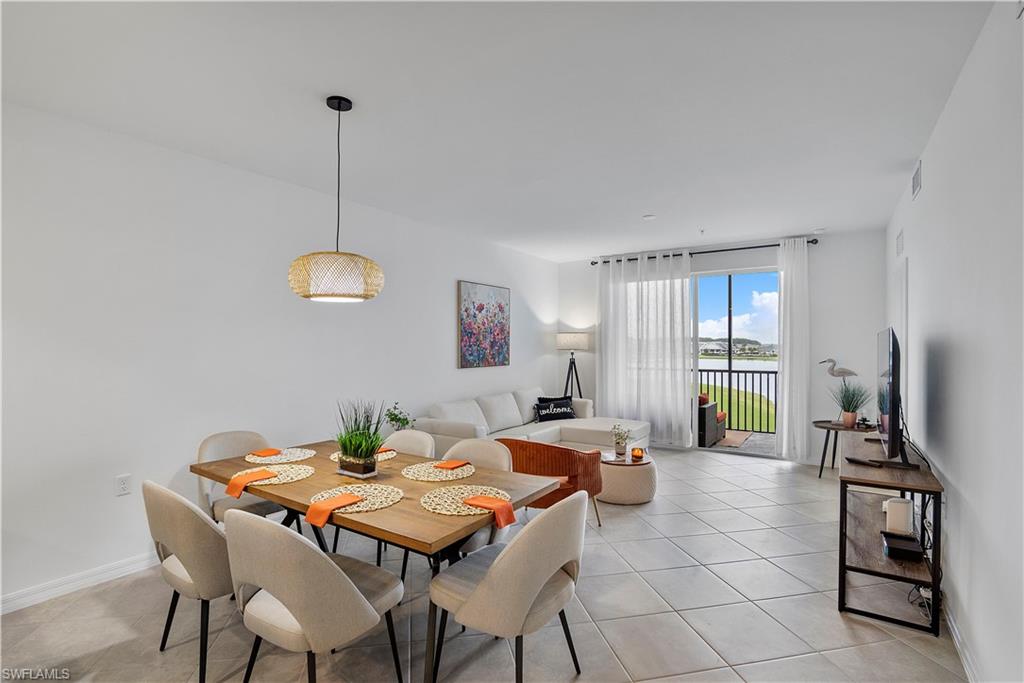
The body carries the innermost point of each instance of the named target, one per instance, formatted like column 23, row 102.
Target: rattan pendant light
column 336, row 275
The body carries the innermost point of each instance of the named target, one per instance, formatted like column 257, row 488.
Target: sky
column 755, row 306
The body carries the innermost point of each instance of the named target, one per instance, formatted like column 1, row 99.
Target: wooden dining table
column 406, row 524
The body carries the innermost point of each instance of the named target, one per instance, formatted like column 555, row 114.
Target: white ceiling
column 547, row 127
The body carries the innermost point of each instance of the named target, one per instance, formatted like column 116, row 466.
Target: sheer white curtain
column 644, row 355
column 792, row 412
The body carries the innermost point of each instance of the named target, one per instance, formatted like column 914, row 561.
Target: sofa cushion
column 526, row 399
column 534, row 431
column 500, row 411
column 436, row 427
column 459, row 411
column 598, row 430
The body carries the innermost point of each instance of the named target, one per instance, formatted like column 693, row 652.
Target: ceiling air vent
column 915, row 183
column 899, row 244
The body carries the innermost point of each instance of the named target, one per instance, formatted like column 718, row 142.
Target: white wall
column 578, row 312
column 848, row 308
column 962, row 241
column 847, row 292
column 146, row 305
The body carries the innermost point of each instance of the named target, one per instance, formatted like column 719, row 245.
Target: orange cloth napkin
column 265, row 452
column 450, row 464
column 238, row 482
column 502, row 509
column 319, row 512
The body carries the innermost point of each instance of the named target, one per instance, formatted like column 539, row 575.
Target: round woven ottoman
column 624, row 482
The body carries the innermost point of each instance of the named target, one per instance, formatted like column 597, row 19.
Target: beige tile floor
column 729, row 574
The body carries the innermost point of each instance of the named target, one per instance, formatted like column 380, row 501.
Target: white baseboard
column 27, row 597
column 970, row 668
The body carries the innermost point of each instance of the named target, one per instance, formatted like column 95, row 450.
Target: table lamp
column 572, row 342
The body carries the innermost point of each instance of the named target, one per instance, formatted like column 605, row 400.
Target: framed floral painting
column 483, row 325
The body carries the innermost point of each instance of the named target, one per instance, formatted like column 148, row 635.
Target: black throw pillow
column 554, row 409
column 549, row 399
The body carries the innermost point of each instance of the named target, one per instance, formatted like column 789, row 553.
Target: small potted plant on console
column 360, row 438
column 850, row 397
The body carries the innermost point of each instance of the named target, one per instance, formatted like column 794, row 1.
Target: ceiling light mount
column 339, row 103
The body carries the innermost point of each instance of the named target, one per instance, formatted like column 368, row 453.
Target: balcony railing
column 748, row 396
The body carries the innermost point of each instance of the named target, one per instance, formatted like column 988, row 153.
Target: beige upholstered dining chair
column 230, row 445
column 300, row 598
column 491, row 455
column 413, row 442
column 513, row 590
column 193, row 556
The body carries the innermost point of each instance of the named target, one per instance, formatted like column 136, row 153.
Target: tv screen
column 889, row 426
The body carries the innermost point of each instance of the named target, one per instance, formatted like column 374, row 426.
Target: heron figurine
column 842, row 373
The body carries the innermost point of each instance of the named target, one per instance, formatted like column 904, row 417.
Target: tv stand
column 902, row 464
column 861, row 519
column 897, row 465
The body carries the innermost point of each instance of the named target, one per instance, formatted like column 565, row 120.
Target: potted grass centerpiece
column 360, row 438
column 850, row 397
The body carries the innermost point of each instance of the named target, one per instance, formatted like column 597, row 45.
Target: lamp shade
column 335, row 276
column 572, row 341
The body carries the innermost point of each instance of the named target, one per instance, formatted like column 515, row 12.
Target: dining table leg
column 319, row 534
column 428, row 655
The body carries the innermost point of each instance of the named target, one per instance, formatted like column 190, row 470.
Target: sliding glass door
column 737, row 315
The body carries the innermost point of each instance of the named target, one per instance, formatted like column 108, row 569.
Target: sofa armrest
column 583, row 407
column 461, row 430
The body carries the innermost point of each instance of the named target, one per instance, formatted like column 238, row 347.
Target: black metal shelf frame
column 931, row 540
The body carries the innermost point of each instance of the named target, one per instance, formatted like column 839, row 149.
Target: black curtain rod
column 707, row 251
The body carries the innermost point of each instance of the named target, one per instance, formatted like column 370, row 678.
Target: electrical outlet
column 122, row 484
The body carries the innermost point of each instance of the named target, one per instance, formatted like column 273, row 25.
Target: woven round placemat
column 285, row 474
column 375, row 497
column 381, row 457
column 425, row 471
column 286, row 455
column 447, row 500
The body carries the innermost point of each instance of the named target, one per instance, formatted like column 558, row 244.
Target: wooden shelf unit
column 864, row 551
column 861, row 520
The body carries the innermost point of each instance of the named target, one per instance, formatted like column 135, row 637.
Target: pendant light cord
column 337, row 228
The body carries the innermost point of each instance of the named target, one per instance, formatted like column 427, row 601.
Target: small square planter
column 359, row 469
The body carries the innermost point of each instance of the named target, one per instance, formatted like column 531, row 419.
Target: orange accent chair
column 577, row 470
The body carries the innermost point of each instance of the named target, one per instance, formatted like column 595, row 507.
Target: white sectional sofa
column 511, row 415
